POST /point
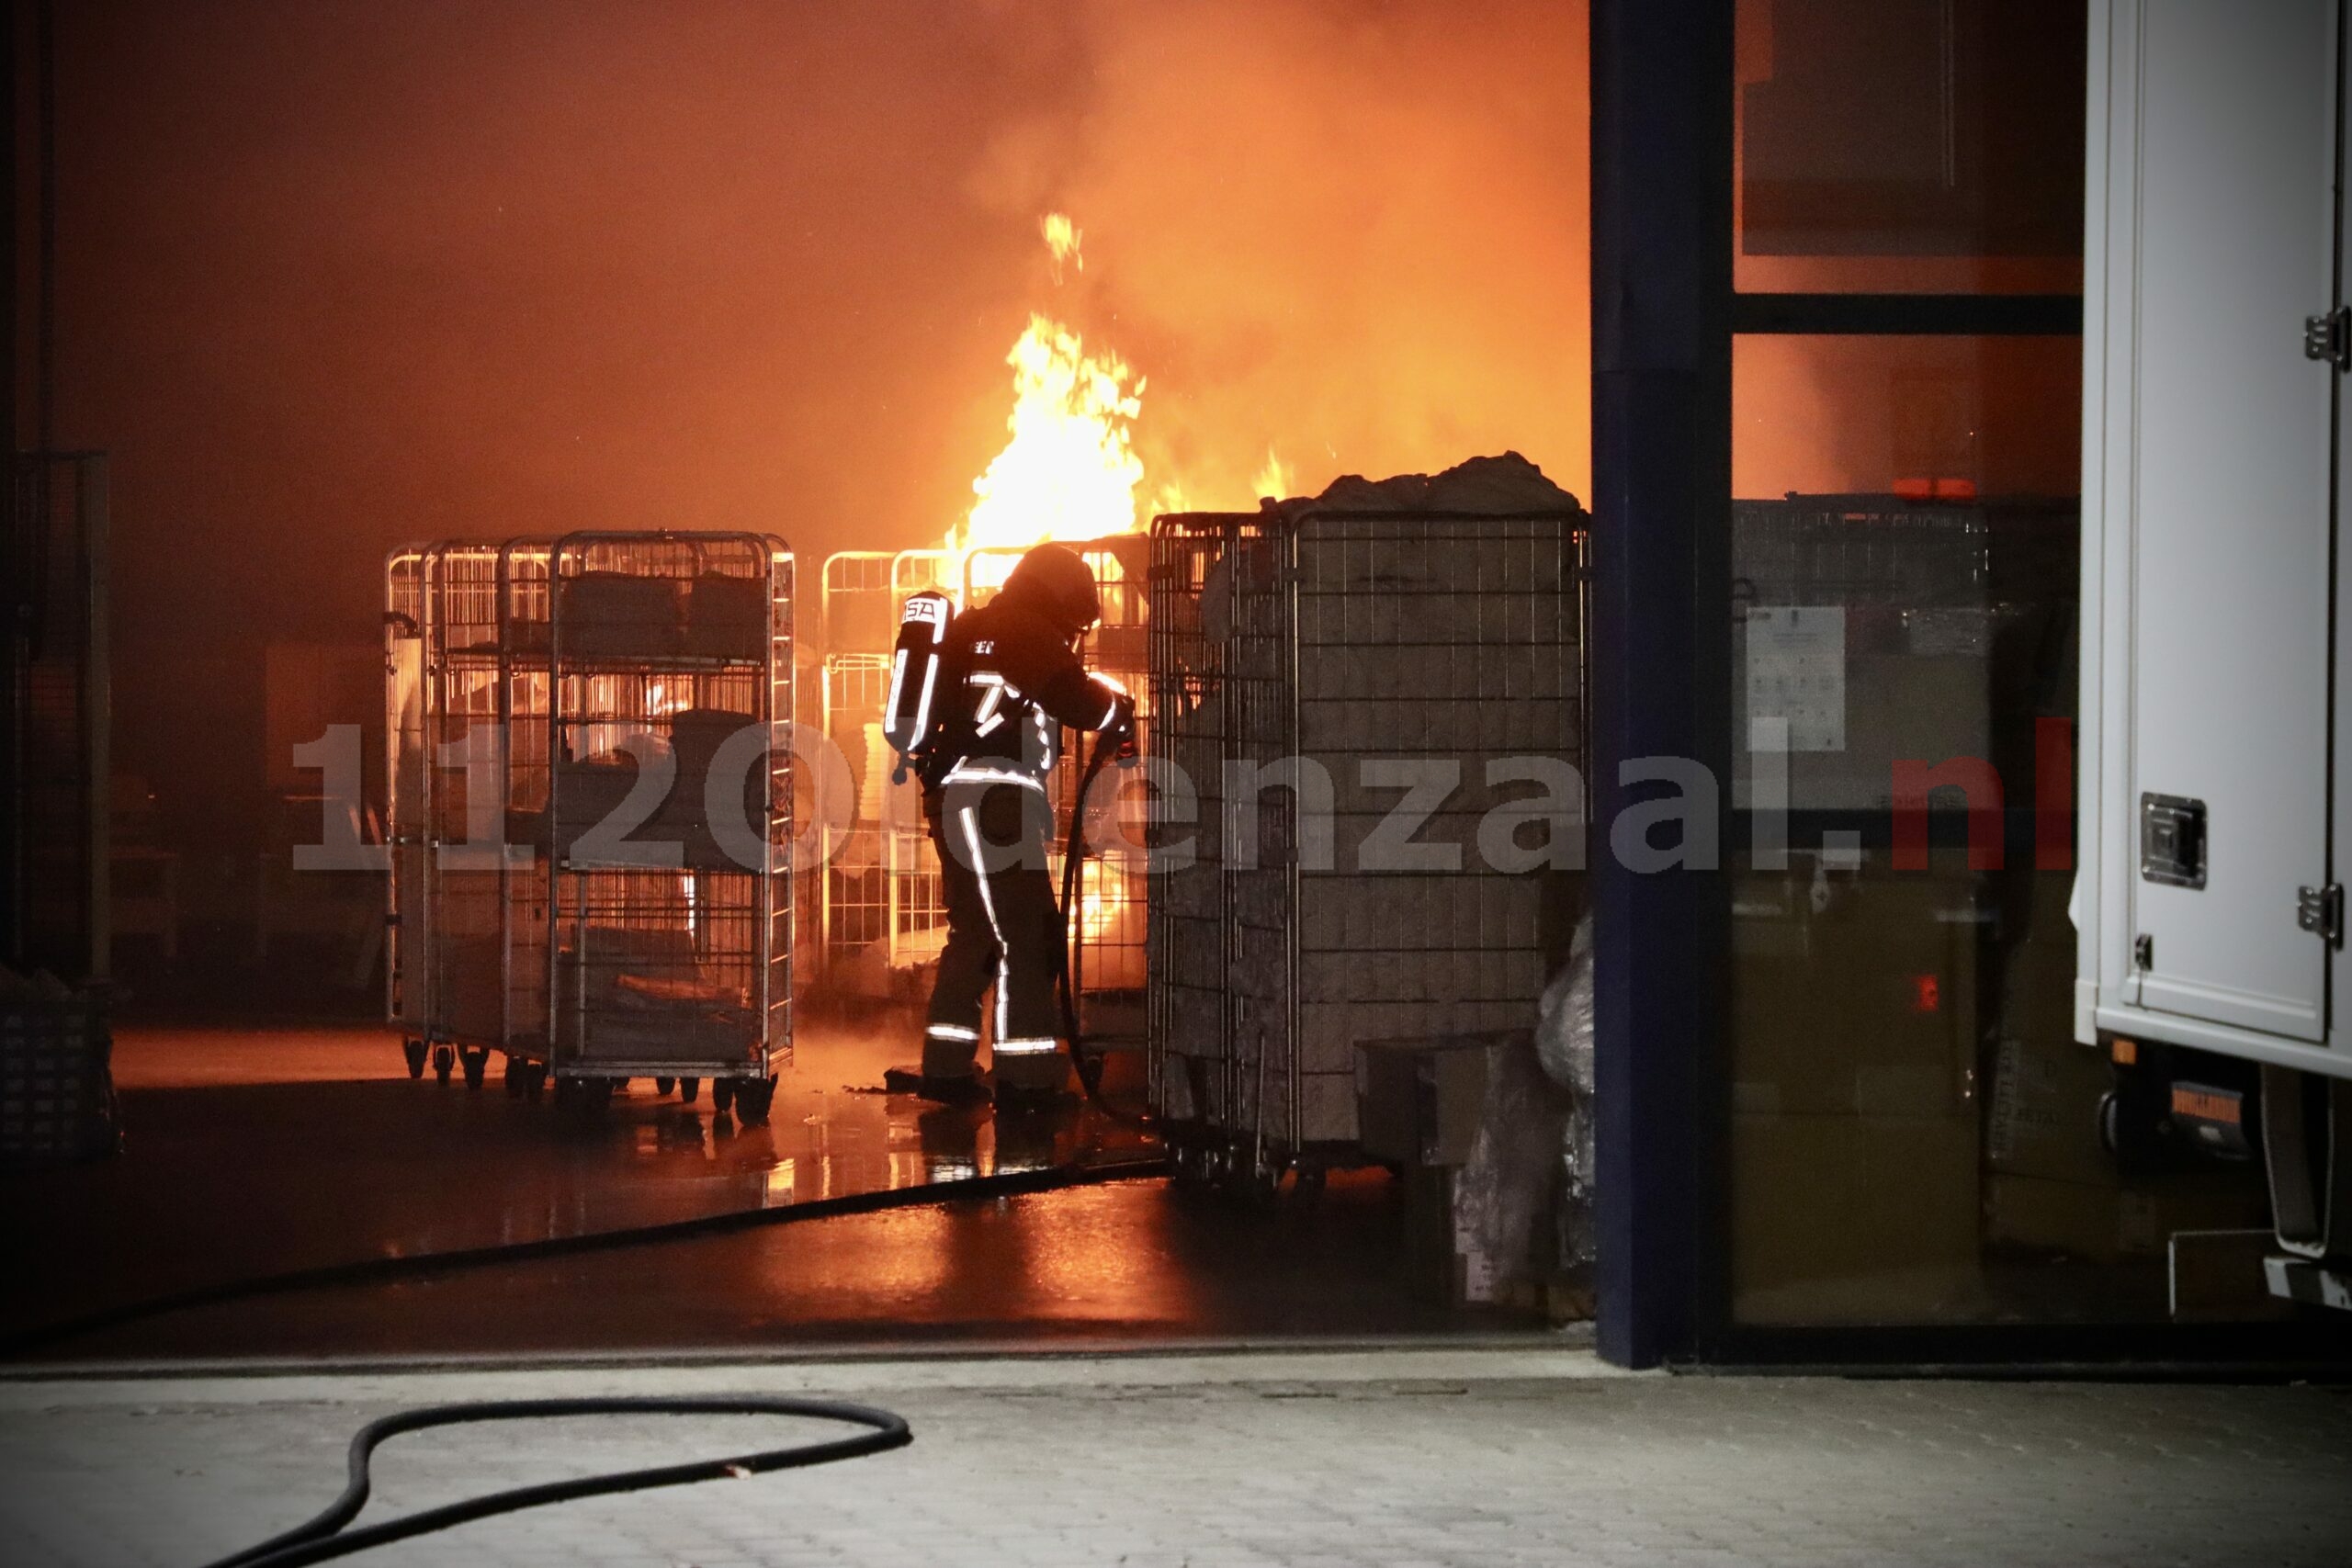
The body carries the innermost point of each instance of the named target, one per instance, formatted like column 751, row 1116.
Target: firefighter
column 1011, row 680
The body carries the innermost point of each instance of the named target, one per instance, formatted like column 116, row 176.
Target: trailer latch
column 2172, row 841
column 2320, row 910
column 2329, row 337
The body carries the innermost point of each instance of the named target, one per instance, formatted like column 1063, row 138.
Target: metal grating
column 665, row 950
column 523, row 683
column 406, row 915
column 465, row 709
column 1333, row 639
column 858, row 609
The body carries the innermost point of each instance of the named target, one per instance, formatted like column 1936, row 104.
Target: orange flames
column 1069, row 470
column 1274, row 478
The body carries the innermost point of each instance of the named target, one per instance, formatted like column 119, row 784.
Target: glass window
column 1903, row 556
column 1916, row 1136
column 1906, row 146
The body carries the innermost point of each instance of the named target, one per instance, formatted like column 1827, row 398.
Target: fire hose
column 324, row 1536
column 1071, row 968
column 415, row 1265
column 389, row 1270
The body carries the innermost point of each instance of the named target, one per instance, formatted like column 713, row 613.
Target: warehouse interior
column 408, row 470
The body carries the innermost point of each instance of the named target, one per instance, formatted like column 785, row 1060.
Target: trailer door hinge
column 2329, row 337
column 2320, row 910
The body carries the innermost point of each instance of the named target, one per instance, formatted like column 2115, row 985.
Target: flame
column 1274, row 478
column 1062, row 239
column 1069, row 472
column 1106, row 898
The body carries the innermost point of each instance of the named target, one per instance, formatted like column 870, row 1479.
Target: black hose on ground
column 387, row 1271
column 324, row 1537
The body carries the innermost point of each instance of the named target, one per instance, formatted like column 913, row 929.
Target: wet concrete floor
column 258, row 1151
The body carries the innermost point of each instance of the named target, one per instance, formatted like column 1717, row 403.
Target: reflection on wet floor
column 253, row 1153
column 325, row 1136
column 1123, row 1265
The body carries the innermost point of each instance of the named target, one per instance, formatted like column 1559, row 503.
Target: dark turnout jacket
column 1012, row 682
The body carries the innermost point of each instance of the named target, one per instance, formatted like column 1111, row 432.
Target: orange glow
column 1358, row 230
column 1105, row 896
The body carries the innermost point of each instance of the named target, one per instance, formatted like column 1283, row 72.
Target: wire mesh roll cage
column 914, row 909
column 879, row 884
column 1871, row 548
column 854, row 604
column 1230, row 601
column 1109, row 961
column 470, row 632
column 406, row 927
column 681, row 967
column 460, row 686
column 523, row 631
column 1190, row 938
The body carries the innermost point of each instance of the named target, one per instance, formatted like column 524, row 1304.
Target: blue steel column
column 1661, row 648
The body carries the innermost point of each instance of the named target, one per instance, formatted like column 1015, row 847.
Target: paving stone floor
column 1422, row 1456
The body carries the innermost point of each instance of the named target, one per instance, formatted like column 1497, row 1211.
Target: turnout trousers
column 1004, row 933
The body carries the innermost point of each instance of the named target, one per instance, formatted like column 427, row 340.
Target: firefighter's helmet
column 1055, row 581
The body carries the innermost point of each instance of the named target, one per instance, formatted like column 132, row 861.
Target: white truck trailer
column 2216, row 782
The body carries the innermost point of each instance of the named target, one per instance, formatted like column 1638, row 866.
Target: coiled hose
column 324, row 1537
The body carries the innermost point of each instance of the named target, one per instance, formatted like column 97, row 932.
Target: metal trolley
column 1333, row 657
column 879, row 908
column 856, row 620
column 1955, row 638
column 670, row 811
column 465, row 711
column 406, row 928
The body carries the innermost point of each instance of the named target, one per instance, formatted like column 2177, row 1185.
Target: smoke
column 336, row 276
column 1353, row 235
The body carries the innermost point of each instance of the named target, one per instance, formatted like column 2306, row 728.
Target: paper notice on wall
column 1796, row 670
column 1475, row 1270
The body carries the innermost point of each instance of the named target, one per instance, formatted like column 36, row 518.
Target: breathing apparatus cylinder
column 911, row 712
